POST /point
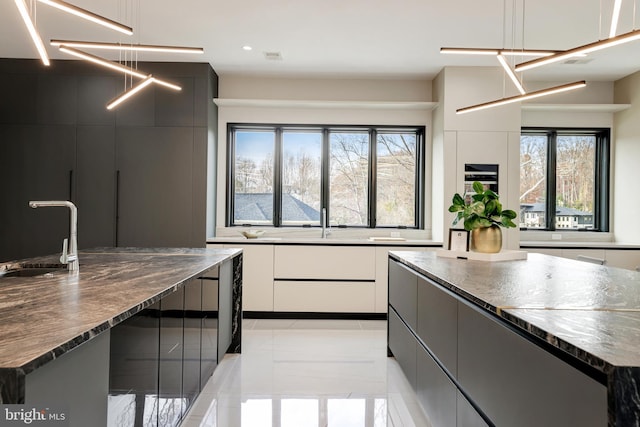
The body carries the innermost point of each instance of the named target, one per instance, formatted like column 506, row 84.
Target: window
column 564, row 179
column 363, row 176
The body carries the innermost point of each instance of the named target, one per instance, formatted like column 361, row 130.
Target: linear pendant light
column 585, row 49
column 511, row 74
column 127, row 47
column 505, row 52
column 90, row 16
column 37, row 41
column 614, row 18
column 129, row 93
column 114, row 66
column 518, row 98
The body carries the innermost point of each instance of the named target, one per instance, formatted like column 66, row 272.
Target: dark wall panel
column 95, row 186
column 199, row 212
column 59, row 141
column 175, row 108
column 140, row 110
column 57, row 99
column 94, row 92
column 19, row 100
column 157, row 159
column 202, row 101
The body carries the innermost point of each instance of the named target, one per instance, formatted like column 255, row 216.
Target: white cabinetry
column 324, row 262
column 257, row 276
column 621, row 258
column 312, row 278
column 324, row 278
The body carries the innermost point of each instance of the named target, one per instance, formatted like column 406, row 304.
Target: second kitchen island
column 543, row 341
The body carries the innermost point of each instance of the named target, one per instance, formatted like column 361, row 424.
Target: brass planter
column 487, row 240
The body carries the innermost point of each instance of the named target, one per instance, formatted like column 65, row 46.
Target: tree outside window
column 363, row 176
column 564, row 179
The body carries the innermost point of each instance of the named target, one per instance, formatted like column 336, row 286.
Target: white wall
column 488, row 136
column 593, row 93
column 626, row 170
column 438, row 166
column 246, row 87
column 341, row 90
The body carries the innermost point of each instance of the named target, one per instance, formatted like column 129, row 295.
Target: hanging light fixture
column 585, row 49
column 127, row 47
column 519, row 98
column 511, row 74
column 114, row 66
column 90, row 16
column 129, row 93
column 37, row 41
column 495, row 52
column 614, row 18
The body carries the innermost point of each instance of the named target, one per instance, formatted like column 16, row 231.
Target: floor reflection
column 299, row 373
column 314, row 412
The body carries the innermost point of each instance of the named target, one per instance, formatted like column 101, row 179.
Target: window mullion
column 601, row 202
column 552, row 156
column 419, row 180
column 231, row 144
column 325, row 165
column 373, row 165
column 277, row 179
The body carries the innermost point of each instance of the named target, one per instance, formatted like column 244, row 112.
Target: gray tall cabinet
column 137, row 174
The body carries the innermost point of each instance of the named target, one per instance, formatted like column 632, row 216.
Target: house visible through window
column 363, row 176
column 564, row 179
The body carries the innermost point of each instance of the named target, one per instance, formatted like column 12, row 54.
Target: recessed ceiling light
column 246, row 47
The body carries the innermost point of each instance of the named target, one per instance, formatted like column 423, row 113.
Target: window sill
column 560, row 237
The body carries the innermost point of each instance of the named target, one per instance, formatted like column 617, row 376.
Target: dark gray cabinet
column 96, row 185
column 403, row 346
column 170, row 403
column 154, row 193
column 467, row 415
column 436, row 393
column 469, row 368
column 37, row 163
column 133, row 369
column 438, row 323
column 138, row 175
column 209, row 343
column 193, row 336
column 511, row 379
column 403, row 295
column 161, row 357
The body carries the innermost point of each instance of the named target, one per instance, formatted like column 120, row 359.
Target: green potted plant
column 483, row 217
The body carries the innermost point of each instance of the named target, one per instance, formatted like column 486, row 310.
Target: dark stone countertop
column 590, row 311
column 46, row 316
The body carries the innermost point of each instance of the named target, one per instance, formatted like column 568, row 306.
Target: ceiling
column 343, row 38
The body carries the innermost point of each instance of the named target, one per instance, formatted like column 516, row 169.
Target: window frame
column 602, row 180
column 325, row 130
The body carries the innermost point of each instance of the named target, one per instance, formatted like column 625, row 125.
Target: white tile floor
column 302, row 373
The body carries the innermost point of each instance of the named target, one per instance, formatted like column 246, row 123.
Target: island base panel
column 76, row 384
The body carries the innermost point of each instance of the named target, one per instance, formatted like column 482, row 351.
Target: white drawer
column 328, row 297
column 325, row 262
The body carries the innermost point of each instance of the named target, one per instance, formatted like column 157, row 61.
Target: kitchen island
column 78, row 325
column 543, row 341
